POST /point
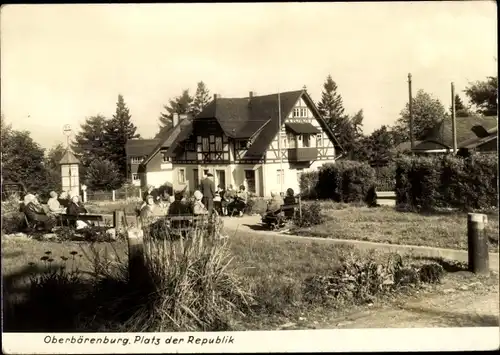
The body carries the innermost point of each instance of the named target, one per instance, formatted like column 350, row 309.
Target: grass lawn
column 387, row 225
column 273, row 270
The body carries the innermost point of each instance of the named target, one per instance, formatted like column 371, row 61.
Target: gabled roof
column 475, row 142
column 167, row 138
column 257, row 118
column 140, row 147
column 466, row 128
column 69, row 158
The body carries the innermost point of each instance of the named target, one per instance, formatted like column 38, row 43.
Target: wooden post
column 478, row 243
column 84, row 196
column 453, row 119
column 136, row 266
column 118, row 217
column 410, row 109
column 113, row 195
column 300, row 207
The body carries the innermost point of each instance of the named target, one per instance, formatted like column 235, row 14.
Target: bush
column 360, row 280
column 307, row 183
column 311, row 215
column 447, row 181
column 385, row 177
column 256, row 205
column 13, row 223
column 345, row 181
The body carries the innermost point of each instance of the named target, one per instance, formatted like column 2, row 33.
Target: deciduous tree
column 484, row 95
column 102, row 174
column 427, row 112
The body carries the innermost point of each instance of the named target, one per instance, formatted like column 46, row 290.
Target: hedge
column 345, row 181
column 447, row 181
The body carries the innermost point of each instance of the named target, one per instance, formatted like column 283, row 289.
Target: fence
column 124, row 193
column 385, row 177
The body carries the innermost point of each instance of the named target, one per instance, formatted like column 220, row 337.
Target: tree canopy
column 484, row 95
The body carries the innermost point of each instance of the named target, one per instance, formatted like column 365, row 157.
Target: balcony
column 302, row 154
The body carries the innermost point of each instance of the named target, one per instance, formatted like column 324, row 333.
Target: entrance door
column 221, row 177
column 196, row 179
column 250, row 180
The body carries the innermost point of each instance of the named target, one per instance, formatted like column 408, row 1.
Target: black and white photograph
column 249, row 177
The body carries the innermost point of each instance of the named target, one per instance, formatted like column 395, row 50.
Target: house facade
column 261, row 142
column 137, row 151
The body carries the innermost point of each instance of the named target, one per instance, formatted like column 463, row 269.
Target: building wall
column 157, row 172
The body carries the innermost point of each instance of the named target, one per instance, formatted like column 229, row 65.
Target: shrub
column 13, row 223
column 311, row 215
column 307, row 183
column 345, row 181
column 191, row 286
column 385, row 177
column 360, row 280
column 256, row 205
column 447, row 181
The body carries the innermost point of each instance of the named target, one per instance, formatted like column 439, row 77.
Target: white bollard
column 113, row 196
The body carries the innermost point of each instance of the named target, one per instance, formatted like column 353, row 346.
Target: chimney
column 215, row 97
column 175, row 119
column 250, row 94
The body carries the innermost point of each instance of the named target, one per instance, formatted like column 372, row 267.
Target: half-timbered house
column 237, row 140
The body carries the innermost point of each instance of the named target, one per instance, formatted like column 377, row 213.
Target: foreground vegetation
column 206, row 284
column 388, row 225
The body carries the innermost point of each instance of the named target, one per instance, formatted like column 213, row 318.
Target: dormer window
column 242, row 145
column 165, row 158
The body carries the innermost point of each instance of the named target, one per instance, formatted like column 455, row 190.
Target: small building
column 473, row 133
column 137, row 150
column 236, row 139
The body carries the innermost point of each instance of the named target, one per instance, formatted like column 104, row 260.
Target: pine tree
column 91, row 142
column 201, row 99
column 181, row 104
column 331, row 105
column 460, row 109
column 119, row 130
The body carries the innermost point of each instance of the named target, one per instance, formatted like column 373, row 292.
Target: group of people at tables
column 206, row 201
column 48, row 215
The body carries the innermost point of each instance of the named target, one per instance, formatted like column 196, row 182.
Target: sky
column 63, row 63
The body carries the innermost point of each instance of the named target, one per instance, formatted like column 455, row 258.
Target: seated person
column 218, row 200
column 179, row 207
column 199, row 208
column 274, row 204
column 35, row 213
column 149, row 211
column 239, row 201
column 223, row 200
column 54, row 205
column 289, row 200
column 64, row 199
column 75, row 208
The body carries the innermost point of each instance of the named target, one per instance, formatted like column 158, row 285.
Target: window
column 306, row 141
column 280, row 174
column 136, row 160
column 181, row 176
column 300, row 112
column 319, row 140
column 242, row 144
column 205, row 145
column 136, row 177
column 165, row 158
column 190, row 147
column 291, row 140
column 218, row 144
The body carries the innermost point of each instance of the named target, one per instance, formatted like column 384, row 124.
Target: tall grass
column 192, row 287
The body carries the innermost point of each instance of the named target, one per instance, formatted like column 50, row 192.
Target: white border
column 345, row 340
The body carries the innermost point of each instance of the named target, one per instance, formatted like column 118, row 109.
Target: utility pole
column 453, row 119
column 410, row 108
column 282, row 172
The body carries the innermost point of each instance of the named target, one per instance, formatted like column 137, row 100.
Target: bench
column 87, row 218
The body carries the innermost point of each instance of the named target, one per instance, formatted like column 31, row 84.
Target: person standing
column 208, row 190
